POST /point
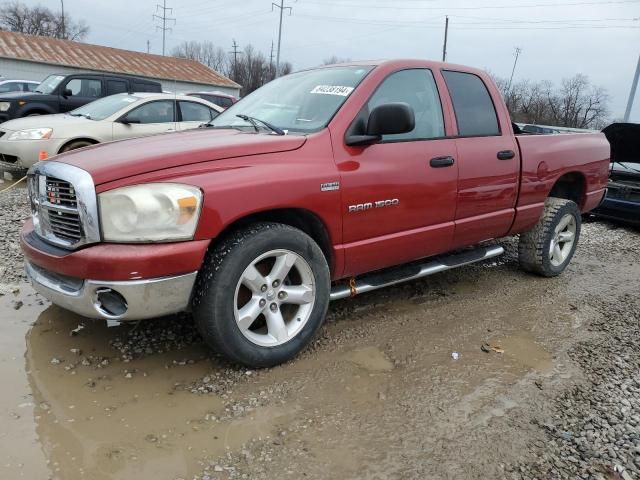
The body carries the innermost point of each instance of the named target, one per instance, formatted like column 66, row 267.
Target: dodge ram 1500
column 320, row 185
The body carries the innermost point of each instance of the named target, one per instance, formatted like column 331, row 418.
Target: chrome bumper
column 148, row 298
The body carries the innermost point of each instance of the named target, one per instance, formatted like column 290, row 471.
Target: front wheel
column 262, row 294
column 548, row 248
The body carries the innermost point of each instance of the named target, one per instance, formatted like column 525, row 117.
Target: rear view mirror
column 385, row 119
column 391, row 119
column 129, row 120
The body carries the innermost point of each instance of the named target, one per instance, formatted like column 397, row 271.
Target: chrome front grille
column 63, row 204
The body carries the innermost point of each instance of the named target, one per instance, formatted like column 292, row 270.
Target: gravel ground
column 377, row 395
column 14, row 210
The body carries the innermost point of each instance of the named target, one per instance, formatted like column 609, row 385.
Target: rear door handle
column 439, row 162
column 506, row 155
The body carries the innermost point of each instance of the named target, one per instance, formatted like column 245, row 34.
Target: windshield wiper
column 626, row 166
column 85, row 115
column 254, row 121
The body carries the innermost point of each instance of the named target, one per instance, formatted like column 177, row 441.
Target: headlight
column 156, row 212
column 32, row 134
column 4, row 106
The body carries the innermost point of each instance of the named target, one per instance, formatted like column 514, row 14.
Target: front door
column 488, row 162
column 157, row 116
column 399, row 196
column 81, row 90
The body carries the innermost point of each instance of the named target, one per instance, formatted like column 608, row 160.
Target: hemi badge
column 328, row 187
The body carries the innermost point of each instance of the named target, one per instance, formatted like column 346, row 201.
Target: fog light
column 110, row 303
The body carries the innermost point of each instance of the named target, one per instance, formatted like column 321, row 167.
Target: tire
column 75, row 145
column 548, row 248
column 241, row 272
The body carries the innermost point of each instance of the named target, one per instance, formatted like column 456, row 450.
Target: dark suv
column 62, row 93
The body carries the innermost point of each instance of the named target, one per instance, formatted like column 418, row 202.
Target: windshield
column 301, row 102
column 105, row 107
column 50, row 83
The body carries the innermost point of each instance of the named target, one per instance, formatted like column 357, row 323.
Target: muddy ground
column 377, row 396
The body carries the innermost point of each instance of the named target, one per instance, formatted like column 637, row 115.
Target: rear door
column 157, row 116
column 488, row 161
column 399, row 195
column 82, row 91
column 193, row 114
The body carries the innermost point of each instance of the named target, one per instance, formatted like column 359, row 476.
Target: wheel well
column 299, row 218
column 36, row 111
column 90, row 140
column 570, row 186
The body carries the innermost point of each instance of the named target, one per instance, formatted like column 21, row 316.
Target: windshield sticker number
column 332, row 90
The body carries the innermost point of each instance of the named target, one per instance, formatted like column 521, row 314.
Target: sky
column 558, row 38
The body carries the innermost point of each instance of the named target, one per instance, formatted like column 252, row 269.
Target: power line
column 164, row 19
column 478, row 7
column 282, row 9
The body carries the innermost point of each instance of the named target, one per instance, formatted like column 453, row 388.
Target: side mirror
column 129, row 120
column 385, row 119
column 67, row 93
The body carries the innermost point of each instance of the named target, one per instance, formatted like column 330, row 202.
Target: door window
column 196, row 112
column 161, row 111
column 10, row 87
column 416, row 87
column 30, row 87
column 85, row 87
column 472, row 104
column 116, row 86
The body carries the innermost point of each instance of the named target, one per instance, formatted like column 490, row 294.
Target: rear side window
column 146, row 87
column 416, row 87
column 116, row 86
column 475, row 113
column 30, row 87
column 195, row 112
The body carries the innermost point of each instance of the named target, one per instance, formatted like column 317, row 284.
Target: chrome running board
column 413, row 271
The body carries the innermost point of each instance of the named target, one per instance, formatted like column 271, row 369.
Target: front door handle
column 506, row 155
column 439, row 162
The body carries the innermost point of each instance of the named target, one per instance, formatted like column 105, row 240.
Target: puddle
column 523, row 349
column 370, row 358
column 76, row 409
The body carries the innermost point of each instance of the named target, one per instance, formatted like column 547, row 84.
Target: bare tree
column 335, row 59
column 18, row 17
column 252, row 70
column 204, row 52
column 576, row 104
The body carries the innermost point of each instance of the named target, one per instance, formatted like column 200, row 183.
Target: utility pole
column 632, row 93
column 164, row 19
column 271, row 59
column 148, row 46
column 518, row 52
column 282, row 9
column 235, row 53
column 64, row 29
column 446, row 31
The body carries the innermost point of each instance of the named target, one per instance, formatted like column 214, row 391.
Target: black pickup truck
column 62, row 93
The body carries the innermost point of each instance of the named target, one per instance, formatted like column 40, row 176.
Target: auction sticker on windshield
column 332, row 90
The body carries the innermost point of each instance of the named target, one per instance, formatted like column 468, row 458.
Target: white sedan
column 25, row 140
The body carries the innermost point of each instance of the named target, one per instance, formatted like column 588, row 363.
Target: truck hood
column 46, row 121
column 115, row 160
column 624, row 139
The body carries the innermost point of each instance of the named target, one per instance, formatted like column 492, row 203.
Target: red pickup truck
column 320, row 185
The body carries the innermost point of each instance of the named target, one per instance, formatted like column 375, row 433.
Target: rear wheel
column 548, row 248
column 262, row 294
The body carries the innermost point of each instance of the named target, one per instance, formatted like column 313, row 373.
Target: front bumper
column 24, row 153
column 142, row 299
